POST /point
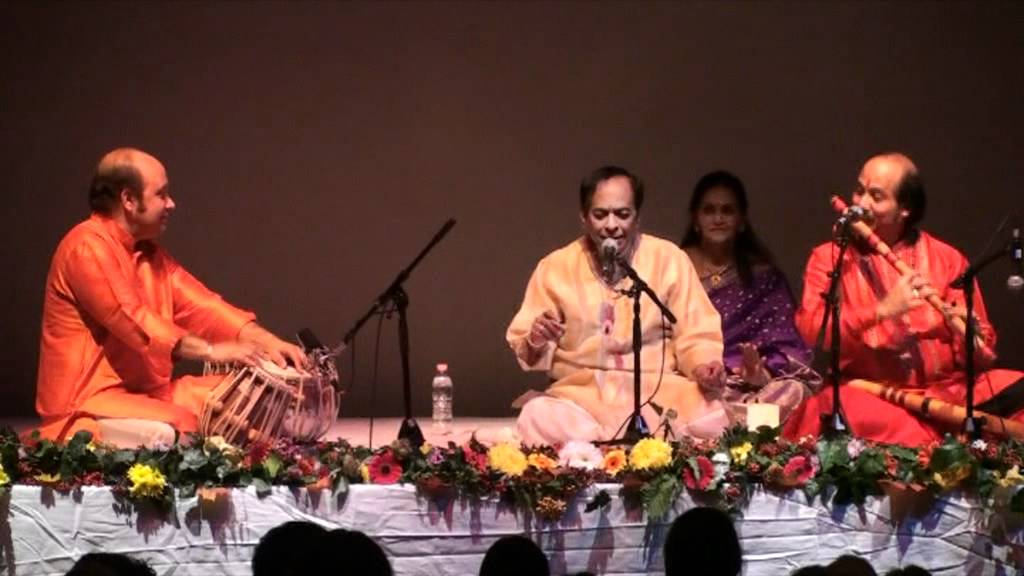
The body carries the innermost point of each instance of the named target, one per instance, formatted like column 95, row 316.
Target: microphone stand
column 834, row 423
column 637, row 428
column 973, row 424
column 395, row 295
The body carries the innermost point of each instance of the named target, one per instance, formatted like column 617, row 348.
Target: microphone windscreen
column 309, row 340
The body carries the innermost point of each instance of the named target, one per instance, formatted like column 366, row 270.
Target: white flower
column 980, row 445
column 721, row 461
column 579, row 454
column 854, row 448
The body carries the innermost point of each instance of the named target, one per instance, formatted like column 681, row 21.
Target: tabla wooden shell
column 267, row 402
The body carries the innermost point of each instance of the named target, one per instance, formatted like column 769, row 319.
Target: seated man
column 118, row 309
column 576, row 324
column 887, row 333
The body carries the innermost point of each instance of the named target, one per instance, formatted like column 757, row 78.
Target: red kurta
column 916, row 351
column 113, row 311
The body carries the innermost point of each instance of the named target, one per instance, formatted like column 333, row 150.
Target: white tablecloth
column 42, row 532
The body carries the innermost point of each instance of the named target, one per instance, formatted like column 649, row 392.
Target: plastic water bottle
column 442, row 394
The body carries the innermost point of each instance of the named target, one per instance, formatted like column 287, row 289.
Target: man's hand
column 233, row 353
column 278, row 351
column 752, row 369
column 546, row 328
column 710, row 377
column 909, row 292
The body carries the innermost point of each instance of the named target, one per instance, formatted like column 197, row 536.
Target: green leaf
column 273, row 464
column 340, row 486
column 262, row 486
column 659, row 494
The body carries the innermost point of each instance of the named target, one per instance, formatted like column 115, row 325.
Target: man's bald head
column 909, row 189
column 118, row 170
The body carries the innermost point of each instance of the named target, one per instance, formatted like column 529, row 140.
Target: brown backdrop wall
column 313, row 148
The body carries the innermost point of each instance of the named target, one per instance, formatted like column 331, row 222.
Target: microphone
column 857, row 214
column 321, row 356
column 1016, row 280
column 609, row 254
column 309, row 340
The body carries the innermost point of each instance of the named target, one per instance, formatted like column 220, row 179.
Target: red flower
column 475, row 459
column 307, row 466
column 892, row 465
column 808, row 443
column 255, row 454
column 769, row 449
column 384, row 469
column 799, row 470
column 706, row 473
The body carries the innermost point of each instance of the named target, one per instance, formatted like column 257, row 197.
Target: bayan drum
column 267, row 402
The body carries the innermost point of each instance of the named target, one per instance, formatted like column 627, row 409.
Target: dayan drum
column 266, row 402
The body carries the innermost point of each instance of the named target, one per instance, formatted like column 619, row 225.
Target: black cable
column 376, row 367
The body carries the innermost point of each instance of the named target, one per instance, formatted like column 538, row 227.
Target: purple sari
column 762, row 314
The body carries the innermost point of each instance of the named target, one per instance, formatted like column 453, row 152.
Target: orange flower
column 541, row 461
column 614, row 461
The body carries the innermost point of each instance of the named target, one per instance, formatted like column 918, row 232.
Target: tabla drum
column 267, row 402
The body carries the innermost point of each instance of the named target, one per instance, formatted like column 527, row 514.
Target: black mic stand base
column 973, row 426
column 637, row 430
column 833, row 424
column 411, row 432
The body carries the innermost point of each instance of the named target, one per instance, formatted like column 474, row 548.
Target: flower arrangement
column 542, row 480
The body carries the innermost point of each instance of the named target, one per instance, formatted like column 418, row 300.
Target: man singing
column 575, row 323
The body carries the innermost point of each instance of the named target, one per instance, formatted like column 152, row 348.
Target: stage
column 42, row 532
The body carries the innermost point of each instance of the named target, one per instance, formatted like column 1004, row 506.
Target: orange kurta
column 113, row 311
column 916, row 351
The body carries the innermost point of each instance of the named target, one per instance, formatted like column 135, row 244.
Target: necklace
column 714, row 276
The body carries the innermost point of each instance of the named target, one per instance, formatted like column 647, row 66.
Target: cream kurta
column 592, row 363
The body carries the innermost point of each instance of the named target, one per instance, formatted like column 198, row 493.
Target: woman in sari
column 764, row 355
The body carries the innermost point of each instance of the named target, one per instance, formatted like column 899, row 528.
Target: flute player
column 888, row 334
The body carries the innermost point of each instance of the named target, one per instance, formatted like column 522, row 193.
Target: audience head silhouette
column 514, row 556
column 291, row 549
column 849, row 565
column 908, row 570
column 703, row 541
column 353, row 552
column 107, row 564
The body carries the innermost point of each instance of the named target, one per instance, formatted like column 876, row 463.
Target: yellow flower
column 4, row 478
column 739, row 453
column 426, row 448
column 146, row 481
column 45, row 478
column 1012, row 478
column 541, row 461
column 650, row 453
column 364, row 471
column 91, row 446
column 614, row 461
column 507, row 458
column 952, row 477
column 550, row 508
column 229, row 451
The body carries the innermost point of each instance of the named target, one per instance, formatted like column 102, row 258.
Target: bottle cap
column 442, row 367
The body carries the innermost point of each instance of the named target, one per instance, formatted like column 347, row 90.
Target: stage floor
column 358, row 430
